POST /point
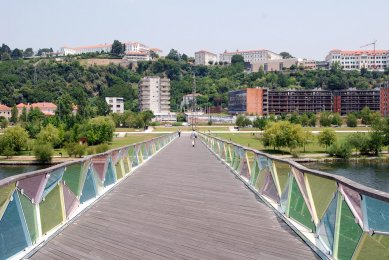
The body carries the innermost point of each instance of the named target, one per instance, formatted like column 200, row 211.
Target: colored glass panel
column 372, row 247
column 30, row 215
column 298, row 209
column 320, row 191
column 347, row 232
column 70, row 200
column 89, row 189
column 353, row 199
column 281, row 175
column 299, row 177
column 375, row 214
column 54, row 178
column 110, row 177
column 5, row 195
column 269, row 188
column 100, row 164
column 254, row 172
column 260, row 180
column 73, row 177
column 52, row 210
column 119, row 170
column 244, row 170
column 14, row 235
column 326, row 229
column 284, row 200
column 33, row 187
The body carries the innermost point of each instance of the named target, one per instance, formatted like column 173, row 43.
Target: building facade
column 204, row 57
column 352, row 100
column 5, row 111
column 281, row 64
column 356, row 60
column 384, row 101
column 133, row 51
column 116, row 104
column 154, row 95
column 252, row 101
column 250, row 56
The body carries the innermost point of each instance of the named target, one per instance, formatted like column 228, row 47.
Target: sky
column 304, row 28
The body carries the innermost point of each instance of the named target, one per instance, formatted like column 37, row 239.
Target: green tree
column 184, row 57
column 336, row 119
column 43, row 152
column 117, row 48
column 13, row 140
column 14, row 115
column 325, row 119
column 49, row 135
column 242, row 121
column 366, row 116
column 304, row 119
column 308, row 138
column 237, row 59
column 5, row 56
column 174, row 55
column 17, row 54
column 358, row 141
column 351, row 120
column 28, row 53
column 260, row 122
column 286, row 55
column 326, row 137
column 97, row 130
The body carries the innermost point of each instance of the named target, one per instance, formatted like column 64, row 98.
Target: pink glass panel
column 33, row 187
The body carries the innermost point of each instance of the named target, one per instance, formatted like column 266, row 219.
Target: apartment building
column 260, row 101
column 252, row 101
column 5, row 111
column 116, row 104
column 154, row 95
column 250, row 56
column 281, row 64
column 356, row 60
column 204, row 57
column 300, row 101
column 352, row 100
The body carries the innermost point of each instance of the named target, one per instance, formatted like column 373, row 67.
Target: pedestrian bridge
column 164, row 199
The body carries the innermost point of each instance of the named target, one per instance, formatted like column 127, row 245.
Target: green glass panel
column 126, row 165
column 73, row 177
column 5, row 195
column 321, row 191
column 119, row 170
column 347, row 232
column 282, row 175
column 51, row 210
column 372, row 247
column 30, row 215
column 260, row 180
column 284, row 199
column 254, row 172
column 298, row 210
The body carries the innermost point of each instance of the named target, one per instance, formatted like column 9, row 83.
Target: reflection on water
column 369, row 173
column 9, row 170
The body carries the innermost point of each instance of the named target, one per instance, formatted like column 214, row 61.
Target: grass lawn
column 253, row 141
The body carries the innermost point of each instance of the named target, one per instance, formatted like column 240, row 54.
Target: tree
column 117, row 48
column 23, row 115
column 28, row 53
column 366, row 116
column 43, row 152
column 325, row 119
column 17, row 54
column 184, row 57
column 304, row 119
column 283, row 134
column 308, row 138
column 336, row 119
column 286, row 55
column 237, row 59
column 13, row 140
column 351, row 120
column 312, row 120
column 174, row 55
column 49, row 135
column 97, row 130
column 5, row 49
column 358, row 141
column 5, row 56
column 44, row 50
column 153, row 55
column 14, row 115
column 242, row 121
column 260, row 123
column 210, row 62
column 327, row 137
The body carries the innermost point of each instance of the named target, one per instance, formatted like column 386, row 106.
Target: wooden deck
column 182, row 204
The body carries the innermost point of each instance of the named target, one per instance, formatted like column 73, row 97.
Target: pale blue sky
column 305, row 28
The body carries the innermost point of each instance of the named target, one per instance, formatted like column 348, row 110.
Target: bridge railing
column 34, row 205
column 338, row 218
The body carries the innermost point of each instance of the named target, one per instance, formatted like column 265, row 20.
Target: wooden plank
column 181, row 204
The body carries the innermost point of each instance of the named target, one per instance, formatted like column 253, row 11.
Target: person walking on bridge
column 193, row 137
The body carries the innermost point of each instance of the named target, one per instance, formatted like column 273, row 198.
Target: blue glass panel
column 110, row 177
column 375, row 214
column 54, row 178
column 89, row 190
column 326, row 228
column 14, row 235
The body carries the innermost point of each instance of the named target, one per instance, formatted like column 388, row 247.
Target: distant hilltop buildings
column 133, row 50
column 356, row 60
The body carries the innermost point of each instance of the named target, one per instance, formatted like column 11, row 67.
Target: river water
column 369, row 173
column 9, row 170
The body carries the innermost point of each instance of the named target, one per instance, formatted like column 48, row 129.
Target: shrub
column 80, row 149
column 43, row 152
column 177, row 124
column 49, row 134
column 327, row 137
column 90, row 151
column 343, row 150
column 75, row 149
column 101, row 148
column 351, row 120
column 155, row 124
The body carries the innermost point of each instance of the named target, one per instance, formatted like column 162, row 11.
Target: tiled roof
column 21, row 105
column 136, row 53
column 4, row 107
column 205, row 52
column 238, row 52
column 42, row 105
